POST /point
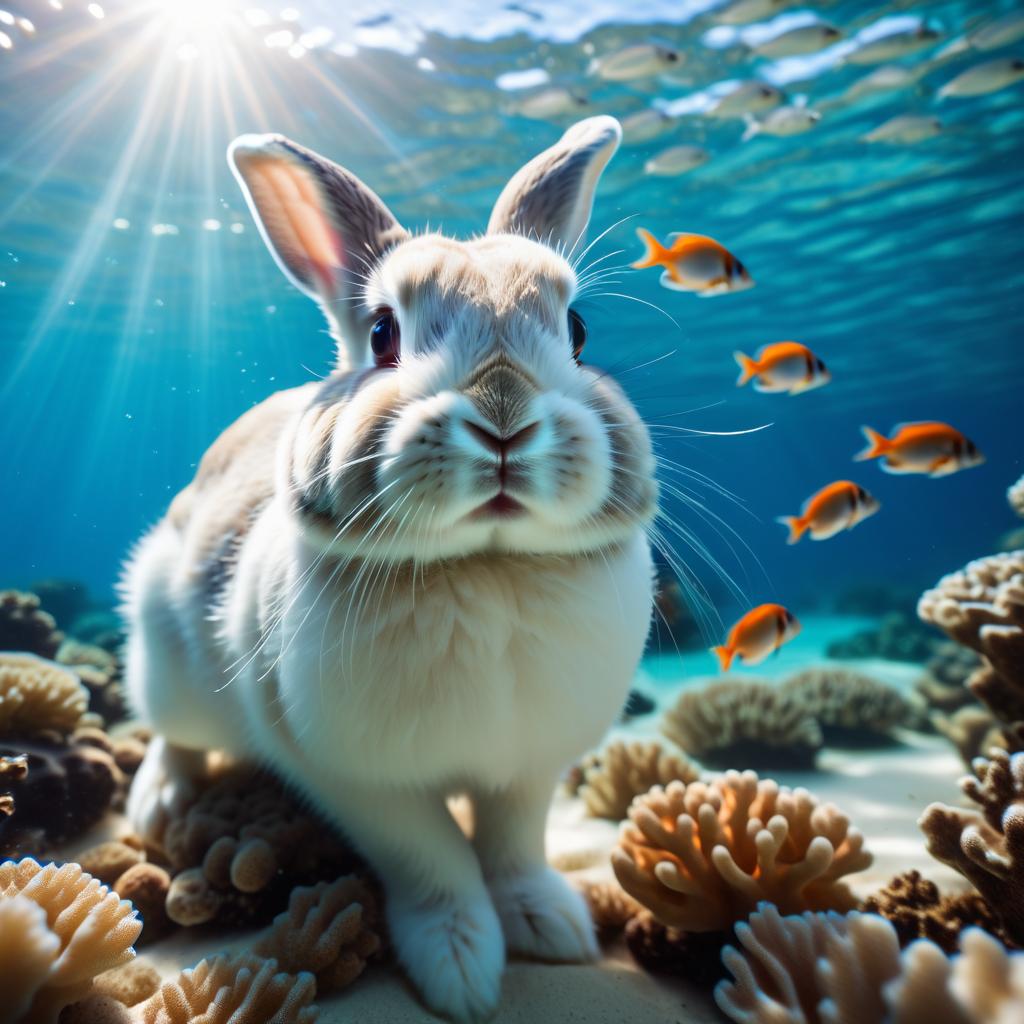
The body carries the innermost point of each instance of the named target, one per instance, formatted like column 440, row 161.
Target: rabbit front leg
column 442, row 922
column 541, row 915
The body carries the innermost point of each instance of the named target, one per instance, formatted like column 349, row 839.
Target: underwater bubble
column 319, row 36
column 280, row 39
column 121, row 224
column 26, row 26
column 296, row 51
column 257, row 17
column 56, row 5
column 96, row 11
column 289, row 14
column 6, row 18
column 237, row 228
column 164, row 229
column 426, row 64
column 211, row 224
column 5, row 41
column 522, row 79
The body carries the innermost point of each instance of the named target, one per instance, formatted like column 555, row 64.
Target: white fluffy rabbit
column 425, row 575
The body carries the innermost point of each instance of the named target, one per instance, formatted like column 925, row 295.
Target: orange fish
column 839, row 506
column 694, row 263
column 785, row 366
column 760, row 632
column 933, row 448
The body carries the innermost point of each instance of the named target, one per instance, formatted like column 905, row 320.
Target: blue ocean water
column 140, row 312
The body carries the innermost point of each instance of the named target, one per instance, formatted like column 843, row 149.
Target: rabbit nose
column 502, row 445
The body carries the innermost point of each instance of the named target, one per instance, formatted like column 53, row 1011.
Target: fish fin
column 717, row 286
column 671, row 280
column 676, row 235
column 896, row 466
column 748, row 368
column 724, row 655
column 796, row 526
column 752, row 129
column 655, row 254
column 943, row 466
column 878, row 444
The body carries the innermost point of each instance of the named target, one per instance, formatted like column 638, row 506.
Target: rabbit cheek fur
column 325, row 597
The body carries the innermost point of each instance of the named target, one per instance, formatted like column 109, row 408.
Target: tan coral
column 743, row 724
column 826, row 968
column 130, row 984
column 624, row 770
column 327, row 930
column 611, row 907
column 108, row 861
column 987, row 845
column 65, row 920
column 36, row 695
column 851, row 708
column 230, row 989
column 147, row 886
column 24, row 626
column 701, row 856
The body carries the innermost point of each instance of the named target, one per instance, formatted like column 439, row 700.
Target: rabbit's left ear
column 551, row 197
column 324, row 227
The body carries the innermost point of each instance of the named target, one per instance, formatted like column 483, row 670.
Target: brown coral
column 987, row 845
column 25, row 627
column 695, row 956
column 701, row 856
column 37, row 695
column 611, row 907
column 917, row 910
column 100, row 673
column 12, row 769
column 229, row 989
column 852, row 709
column 826, row 968
column 327, row 930
column 147, row 886
column 69, row 786
column 59, row 928
column 622, row 771
column 982, row 607
column 943, row 686
column 748, row 724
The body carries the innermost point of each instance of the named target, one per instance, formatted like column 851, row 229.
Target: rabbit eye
column 385, row 338
column 577, row 333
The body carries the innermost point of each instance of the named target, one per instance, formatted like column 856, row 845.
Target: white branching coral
column 818, row 968
column 701, row 856
column 59, row 928
column 622, row 771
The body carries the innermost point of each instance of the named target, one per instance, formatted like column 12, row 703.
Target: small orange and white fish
column 785, row 366
column 694, row 263
column 933, row 448
column 761, row 632
column 837, row 507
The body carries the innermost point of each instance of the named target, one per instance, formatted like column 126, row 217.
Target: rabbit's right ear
column 324, row 227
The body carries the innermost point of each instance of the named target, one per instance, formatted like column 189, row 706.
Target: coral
column 917, row 910
column 987, row 845
column 611, row 907
column 240, row 848
column 852, row 709
column 327, row 930
column 973, row 730
column 100, row 673
column 982, row 607
column 69, row 786
column 147, row 886
column 695, row 956
column 622, row 771
column 129, row 984
column 898, row 637
column 25, row 627
column 230, row 989
column 108, row 861
column 743, row 724
column 14, row 769
column 826, row 968
column 59, row 928
column 36, row 695
column 1015, row 496
column 700, row 856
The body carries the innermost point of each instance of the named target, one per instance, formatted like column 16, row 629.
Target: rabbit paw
column 543, row 917
column 161, row 789
column 454, row 954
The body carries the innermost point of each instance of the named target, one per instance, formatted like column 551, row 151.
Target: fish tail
column 752, row 127
column 796, row 526
column 724, row 655
column 878, row 444
column 748, row 368
column 655, row 254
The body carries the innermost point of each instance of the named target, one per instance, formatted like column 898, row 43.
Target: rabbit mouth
column 501, row 506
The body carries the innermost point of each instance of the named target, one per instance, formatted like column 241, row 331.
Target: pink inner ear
column 293, row 215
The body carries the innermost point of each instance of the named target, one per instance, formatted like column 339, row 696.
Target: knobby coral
column 851, row 708
column 25, row 627
column 701, row 856
column 1015, row 496
column 59, row 928
column 232, row 990
column 827, row 968
column 326, row 930
column 982, row 607
column 748, row 724
column 987, row 845
column 36, row 695
column 622, row 771
column 611, row 907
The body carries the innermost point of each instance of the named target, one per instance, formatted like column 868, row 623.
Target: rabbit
column 427, row 574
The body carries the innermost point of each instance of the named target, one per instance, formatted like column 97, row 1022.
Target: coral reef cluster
column 701, row 856
column 743, row 724
column 898, row 637
column 819, row 968
column 25, row 627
